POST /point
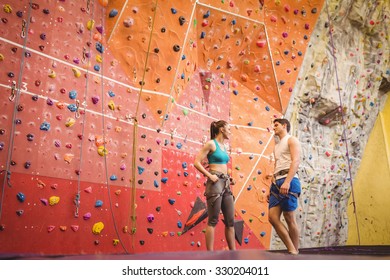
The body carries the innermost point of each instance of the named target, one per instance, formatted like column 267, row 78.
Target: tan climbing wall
column 346, row 66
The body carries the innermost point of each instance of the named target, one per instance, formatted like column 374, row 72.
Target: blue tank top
column 218, row 156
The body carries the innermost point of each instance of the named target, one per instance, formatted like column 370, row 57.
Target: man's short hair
column 283, row 122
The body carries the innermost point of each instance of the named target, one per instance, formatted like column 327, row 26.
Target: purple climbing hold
column 87, row 216
column 150, row 218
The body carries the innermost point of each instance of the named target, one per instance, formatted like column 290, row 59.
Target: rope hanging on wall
column 15, row 97
column 344, row 137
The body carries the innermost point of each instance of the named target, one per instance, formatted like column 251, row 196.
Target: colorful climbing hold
column 97, row 228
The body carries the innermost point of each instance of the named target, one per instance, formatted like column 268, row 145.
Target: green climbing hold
column 185, row 112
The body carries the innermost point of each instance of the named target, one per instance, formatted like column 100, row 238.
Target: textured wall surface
column 339, row 93
column 104, row 105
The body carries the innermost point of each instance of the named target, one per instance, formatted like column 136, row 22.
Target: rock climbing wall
column 372, row 188
column 338, row 96
column 105, row 104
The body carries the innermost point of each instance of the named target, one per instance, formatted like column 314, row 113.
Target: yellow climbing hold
column 70, row 122
column 99, row 58
column 90, row 24
column 68, row 157
column 111, row 105
column 7, row 8
column 52, row 74
column 76, row 72
column 53, row 200
column 1, row 57
column 102, row 151
column 97, row 228
column 115, row 242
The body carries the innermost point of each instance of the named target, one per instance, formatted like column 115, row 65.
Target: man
column 286, row 187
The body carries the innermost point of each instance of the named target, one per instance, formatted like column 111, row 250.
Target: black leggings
column 219, row 197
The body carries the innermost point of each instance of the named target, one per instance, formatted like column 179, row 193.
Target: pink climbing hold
column 44, row 201
column 150, row 218
column 50, row 228
column 261, row 43
column 87, row 216
column 74, row 227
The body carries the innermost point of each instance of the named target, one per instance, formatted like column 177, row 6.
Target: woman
column 218, row 194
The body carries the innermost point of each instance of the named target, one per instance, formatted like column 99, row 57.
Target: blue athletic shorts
column 287, row 202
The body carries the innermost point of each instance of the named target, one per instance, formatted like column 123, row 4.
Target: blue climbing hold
column 179, row 224
column 179, row 145
column 262, row 234
column 185, row 174
column 72, row 94
column 72, row 107
column 173, row 10
column 165, row 170
column 202, row 35
column 113, row 178
column 267, row 108
column 96, row 68
column 113, row 13
column 235, row 92
column 246, row 240
column 164, row 180
column 171, row 201
column 207, row 14
column 45, row 126
column 156, row 184
column 98, row 203
column 99, row 47
column 184, row 165
column 140, row 170
column 21, row 197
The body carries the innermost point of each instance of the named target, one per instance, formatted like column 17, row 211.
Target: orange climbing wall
column 104, row 106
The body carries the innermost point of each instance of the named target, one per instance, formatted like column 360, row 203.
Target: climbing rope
column 86, row 59
column 14, row 97
column 132, row 214
column 104, row 146
column 342, row 121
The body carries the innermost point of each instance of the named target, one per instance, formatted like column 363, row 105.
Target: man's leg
column 293, row 230
column 274, row 218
